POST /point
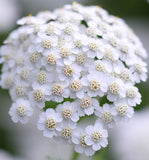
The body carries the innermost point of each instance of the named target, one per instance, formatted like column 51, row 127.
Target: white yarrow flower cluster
column 71, row 64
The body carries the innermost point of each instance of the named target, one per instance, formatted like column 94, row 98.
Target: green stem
column 75, row 155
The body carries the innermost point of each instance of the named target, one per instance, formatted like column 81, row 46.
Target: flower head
column 73, row 62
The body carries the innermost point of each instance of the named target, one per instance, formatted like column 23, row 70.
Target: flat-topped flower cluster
column 75, row 56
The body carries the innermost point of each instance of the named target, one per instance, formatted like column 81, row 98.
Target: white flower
column 65, row 132
column 44, row 77
column 7, row 56
column 46, row 15
column 67, row 57
column 112, row 39
column 19, row 89
column 69, row 29
column 78, row 138
column 100, row 67
column 39, row 95
column 46, row 43
column 116, row 90
column 49, row 123
column 59, row 91
column 126, row 51
column 96, row 84
column 133, row 95
column 68, row 71
column 53, row 28
column 126, row 75
column 110, row 54
column 78, row 42
column 122, row 111
column 68, row 113
column 93, row 49
column 30, row 20
column 139, row 71
column 86, row 105
column 96, row 136
column 106, row 114
column 49, row 59
column 33, row 58
column 7, row 81
column 20, row 111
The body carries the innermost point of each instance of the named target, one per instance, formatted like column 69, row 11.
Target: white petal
column 80, row 94
column 89, row 129
column 79, row 149
column 88, row 140
column 48, row 134
column 75, row 117
column 104, row 143
column 89, row 151
column 84, row 81
column 75, row 140
column 96, row 146
column 89, row 110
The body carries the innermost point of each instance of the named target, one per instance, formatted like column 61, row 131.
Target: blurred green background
column 134, row 12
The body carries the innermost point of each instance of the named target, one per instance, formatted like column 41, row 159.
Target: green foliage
column 103, row 100
column 144, row 90
column 75, row 156
column 84, row 23
column 123, row 8
column 99, row 36
column 52, row 104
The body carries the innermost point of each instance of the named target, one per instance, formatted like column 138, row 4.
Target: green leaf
column 52, row 104
column 75, row 156
column 99, row 36
column 84, row 23
column 103, row 100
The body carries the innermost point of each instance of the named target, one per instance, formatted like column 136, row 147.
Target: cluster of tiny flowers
column 75, row 57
